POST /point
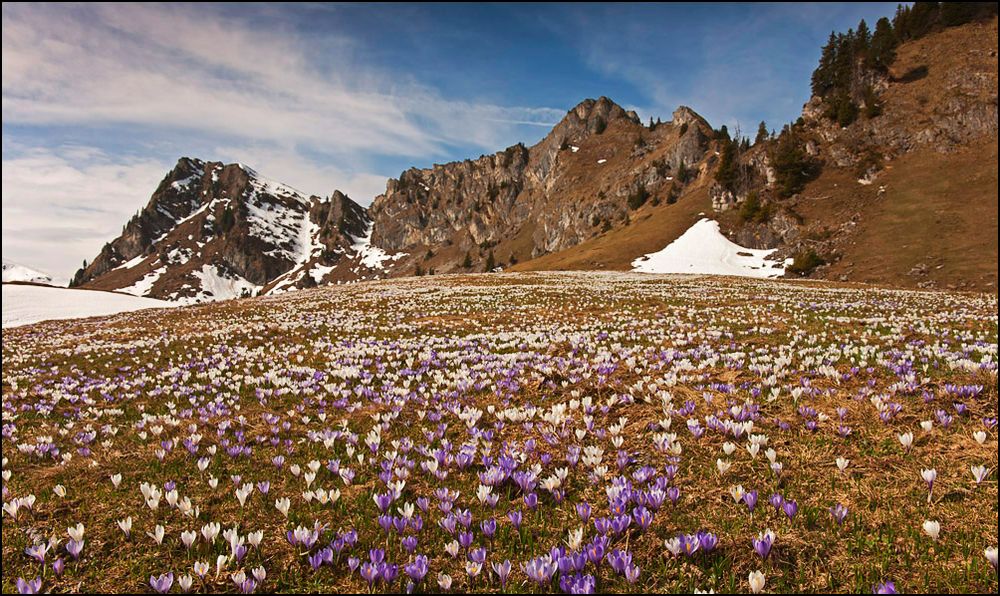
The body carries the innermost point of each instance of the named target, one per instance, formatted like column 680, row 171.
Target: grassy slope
column 939, row 209
column 651, row 229
column 940, row 205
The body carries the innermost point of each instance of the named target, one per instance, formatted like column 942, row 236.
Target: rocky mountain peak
column 685, row 115
column 594, row 114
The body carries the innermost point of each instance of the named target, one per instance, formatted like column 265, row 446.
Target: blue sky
column 100, row 100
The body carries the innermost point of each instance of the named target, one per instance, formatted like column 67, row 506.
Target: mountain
column 889, row 176
column 523, row 202
column 904, row 194
column 13, row 272
column 214, row 231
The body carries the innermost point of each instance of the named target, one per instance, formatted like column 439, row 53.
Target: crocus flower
column 979, row 473
column 790, row 508
column 162, row 583
column 417, row 569
column 38, row 552
column 932, row 528
column 74, row 548
column 763, row 542
column 502, row 571
column 991, row 556
column 756, row 581
column 444, row 581
column 839, row 513
column 29, row 587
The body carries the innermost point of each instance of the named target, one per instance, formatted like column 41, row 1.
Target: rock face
column 214, row 231
column 524, row 202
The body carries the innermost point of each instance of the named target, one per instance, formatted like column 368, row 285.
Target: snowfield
column 23, row 305
column 703, row 249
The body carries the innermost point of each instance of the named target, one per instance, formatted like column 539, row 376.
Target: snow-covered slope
column 16, row 272
column 23, row 305
column 703, row 249
column 214, row 231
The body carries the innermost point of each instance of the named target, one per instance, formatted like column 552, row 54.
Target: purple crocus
column 489, row 527
column 163, row 583
column 632, row 573
column 74, row 548
column 410, row 543
column 839, row 513
column 503, row 571
column 707, row 541
column 762, row 544
column 790, row 508
column 540, row 569
column 369, row 572
column 29, row 587
column 417, row 570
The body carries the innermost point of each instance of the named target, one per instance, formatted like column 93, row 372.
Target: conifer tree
column 761, row 133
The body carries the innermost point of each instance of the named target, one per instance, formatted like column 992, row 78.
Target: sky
column 100, row 100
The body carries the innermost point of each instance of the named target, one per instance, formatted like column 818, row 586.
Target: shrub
column 638, row 198
column 804, row 262
column 752, row 210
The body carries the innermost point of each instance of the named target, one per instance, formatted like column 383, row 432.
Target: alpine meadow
column 733, row 331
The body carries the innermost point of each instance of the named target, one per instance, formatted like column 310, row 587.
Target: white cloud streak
column 61, row 206
column 306, row 110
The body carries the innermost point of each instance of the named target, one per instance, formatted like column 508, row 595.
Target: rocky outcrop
column 536, row 200
column 213, row 231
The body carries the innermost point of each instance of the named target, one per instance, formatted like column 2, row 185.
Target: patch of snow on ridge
column 703, row 249
column 23, row 305
column 264, row 185
column 15, row 272
column 370, row 256
column 215, row 286
column 144, row 285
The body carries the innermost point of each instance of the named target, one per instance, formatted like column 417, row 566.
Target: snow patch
column 703, row 249
column 600, row 161
column 144, row 285
column 264, row 185
column 15, row 272
column 319, row 272
column 23, row 305
column 186, row 182
column 131, row 262
column 370, row 256
column 216, row 286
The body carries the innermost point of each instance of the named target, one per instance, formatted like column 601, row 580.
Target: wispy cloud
column 733, row 64
column 179, row 68
column 171, row 80
column 60, row 206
